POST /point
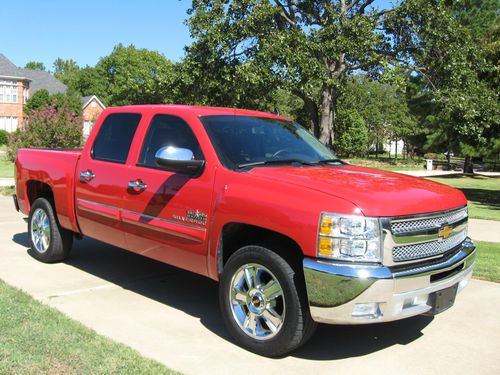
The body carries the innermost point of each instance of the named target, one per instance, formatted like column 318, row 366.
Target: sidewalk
column 6, row 182
column 437, row 173
column 484, row 230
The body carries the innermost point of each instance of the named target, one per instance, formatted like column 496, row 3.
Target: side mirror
column 178, row 160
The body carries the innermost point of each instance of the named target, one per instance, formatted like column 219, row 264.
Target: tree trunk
column 312, row 112
column 468, row 168
column 395, row 149
column 326, row 116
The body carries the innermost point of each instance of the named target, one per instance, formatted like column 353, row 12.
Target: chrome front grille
column 416, row 224
column 426, row 249
column 424, row 236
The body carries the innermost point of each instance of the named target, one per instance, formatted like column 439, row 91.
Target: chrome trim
column 86, row 176
column 144, row 215
column 334, row 288
column 392, row 240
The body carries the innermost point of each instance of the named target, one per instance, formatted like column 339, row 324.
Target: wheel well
column 37, row 189
column 236, row 235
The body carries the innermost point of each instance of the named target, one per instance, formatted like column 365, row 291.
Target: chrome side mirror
column 178, row 160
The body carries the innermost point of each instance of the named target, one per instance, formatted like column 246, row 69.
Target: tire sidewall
column 285, row 276
column 54, row 250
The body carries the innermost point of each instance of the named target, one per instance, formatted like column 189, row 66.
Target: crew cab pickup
column 294, row 235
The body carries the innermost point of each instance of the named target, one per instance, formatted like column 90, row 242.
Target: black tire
column 297, row 325
column 59, row 240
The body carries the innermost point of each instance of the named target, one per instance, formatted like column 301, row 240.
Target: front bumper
column 337, row 292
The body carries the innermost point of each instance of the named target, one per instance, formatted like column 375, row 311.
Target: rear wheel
column 48, row 241
column 263, row 302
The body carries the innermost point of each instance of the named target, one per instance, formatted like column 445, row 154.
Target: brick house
column 18, row 84
column 92, row 107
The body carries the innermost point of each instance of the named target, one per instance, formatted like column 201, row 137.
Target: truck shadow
column 197, row 296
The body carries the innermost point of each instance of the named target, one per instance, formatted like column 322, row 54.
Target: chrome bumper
column 338, row 292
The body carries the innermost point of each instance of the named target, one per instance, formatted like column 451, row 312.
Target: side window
column 167, row 130
column 115, row 137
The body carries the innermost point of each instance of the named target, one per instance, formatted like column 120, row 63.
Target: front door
column 166, row 214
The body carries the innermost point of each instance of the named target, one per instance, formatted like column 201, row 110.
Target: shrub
column 54, row 126
column 4, row 137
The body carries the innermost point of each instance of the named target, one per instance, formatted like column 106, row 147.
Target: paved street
column 172, row 316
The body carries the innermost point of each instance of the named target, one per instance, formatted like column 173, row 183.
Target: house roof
column 39, row 79
column 86, row 100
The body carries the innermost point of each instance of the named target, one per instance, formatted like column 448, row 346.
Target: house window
column 8, row 91
column 8, row 123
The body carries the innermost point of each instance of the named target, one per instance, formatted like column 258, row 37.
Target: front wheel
column 263, row 302
column 48, row 241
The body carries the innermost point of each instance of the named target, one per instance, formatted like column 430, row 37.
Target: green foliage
column 54, row 126
column 41, row 99
column 35, row 65
column 66, row 71
column 465, row 110
column 129, row 76
column 4, row 137
column 352, row 134
column 245, row 50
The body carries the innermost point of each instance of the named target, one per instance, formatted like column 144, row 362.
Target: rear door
column 167, row 217
column 102, row 176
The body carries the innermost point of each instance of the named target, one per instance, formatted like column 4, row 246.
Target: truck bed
column 55, row 168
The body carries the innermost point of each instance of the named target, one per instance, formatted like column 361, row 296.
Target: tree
column 129, row 76
column 352, row 133
column 35, row 65
column 65, row 70
column 306, row 47
column 432, row 42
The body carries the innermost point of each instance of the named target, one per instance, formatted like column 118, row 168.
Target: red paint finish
column 284, row 199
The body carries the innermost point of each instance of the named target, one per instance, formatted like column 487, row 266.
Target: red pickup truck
column 294, row 235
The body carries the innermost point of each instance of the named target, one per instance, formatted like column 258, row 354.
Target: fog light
column 366, row 310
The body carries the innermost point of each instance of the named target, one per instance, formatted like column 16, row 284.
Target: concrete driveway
column 173, row 317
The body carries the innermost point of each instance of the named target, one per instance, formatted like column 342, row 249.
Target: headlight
column 349, row 237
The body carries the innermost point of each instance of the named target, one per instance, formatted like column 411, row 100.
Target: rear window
column 115, row 137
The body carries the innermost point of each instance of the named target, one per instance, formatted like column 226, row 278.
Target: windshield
column 244, row 141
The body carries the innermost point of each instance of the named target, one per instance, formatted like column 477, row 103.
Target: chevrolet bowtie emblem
column 445, row 232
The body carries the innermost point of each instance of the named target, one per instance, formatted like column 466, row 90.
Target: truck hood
column 375, row 192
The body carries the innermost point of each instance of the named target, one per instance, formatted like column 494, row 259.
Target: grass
column 388, row 164
column 6, row 167
column 483, row 194
column 7, row 190
column 37, row 339
column 487, row 261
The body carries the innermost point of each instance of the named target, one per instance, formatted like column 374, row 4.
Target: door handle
column 137, row 186
column 86, row 176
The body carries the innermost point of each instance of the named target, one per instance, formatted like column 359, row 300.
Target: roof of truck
column 197, row 110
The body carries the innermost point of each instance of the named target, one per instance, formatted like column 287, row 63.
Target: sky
column 43, row 30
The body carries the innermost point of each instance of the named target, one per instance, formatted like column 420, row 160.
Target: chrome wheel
column 257, row 301
column 40, row 230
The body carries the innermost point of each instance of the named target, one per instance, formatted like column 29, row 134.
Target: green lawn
column 37, row 339
column 388, row 164
column 487, row 261
column 6, row 167
column 483, row 194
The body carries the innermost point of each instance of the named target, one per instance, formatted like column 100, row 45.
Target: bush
column 4, row 137
column 55, row 126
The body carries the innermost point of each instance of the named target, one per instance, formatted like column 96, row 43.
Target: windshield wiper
column 277, row 161
column 326, row 161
